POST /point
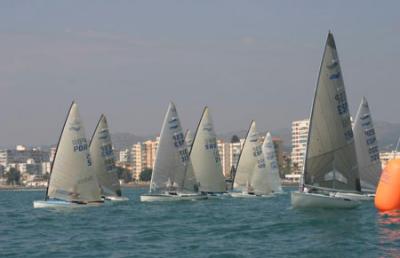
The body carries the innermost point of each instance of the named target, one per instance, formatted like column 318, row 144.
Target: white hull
column 247, row 195
column 171, row 197
column 354, row 196
column 217, row 195
column 314, row 200
column 116, row 198
column 62, row 204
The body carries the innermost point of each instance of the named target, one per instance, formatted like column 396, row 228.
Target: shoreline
column 125, row 185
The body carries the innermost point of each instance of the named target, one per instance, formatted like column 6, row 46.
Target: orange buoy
column 388, row 192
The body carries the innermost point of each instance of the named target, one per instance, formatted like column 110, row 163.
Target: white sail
column 369, row 164
column 261, row 178
column 205, row 156
column 189, row 139
column 72, row 177
column 173, row 168
column 272, row 163
column 247, row 161
column 103, row 159
column 330, row 156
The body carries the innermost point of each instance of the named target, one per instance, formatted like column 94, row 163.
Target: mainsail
column 247, row 160
column 271, row 163
column 72, row 177
column 103, row 159
column 172, row 168
column 369, row 164
column 330, row 156
column 189, row 139
column 205, row 156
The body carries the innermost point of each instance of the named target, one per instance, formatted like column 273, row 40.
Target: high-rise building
column 299, row 143
column 385, row 156
column 143, row 156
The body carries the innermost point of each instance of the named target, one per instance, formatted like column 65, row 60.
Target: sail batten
column 205, row 156
column 103, row 159
column 330, row 144
column 72, row 177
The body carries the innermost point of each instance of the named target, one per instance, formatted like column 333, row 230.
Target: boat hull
column 116, row 198
column 63, row 204
column 314, row 200
column 217, row 195
column 355, row 197
column 171, row 197
column 246, row 195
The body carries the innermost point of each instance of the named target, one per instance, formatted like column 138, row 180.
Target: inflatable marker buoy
column 387, row 196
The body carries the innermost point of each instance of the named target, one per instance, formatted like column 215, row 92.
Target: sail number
column 80, row 145
column 179, row 139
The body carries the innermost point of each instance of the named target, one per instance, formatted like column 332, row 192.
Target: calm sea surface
column 259, row 227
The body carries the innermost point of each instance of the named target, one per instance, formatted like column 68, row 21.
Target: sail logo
column 333, row 64
column 173, row 123
column 103, row 134
column 334, row 76
column 207, row 128
column 75, row 126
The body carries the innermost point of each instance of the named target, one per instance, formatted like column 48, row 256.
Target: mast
column 55, row 153
column 330, row 137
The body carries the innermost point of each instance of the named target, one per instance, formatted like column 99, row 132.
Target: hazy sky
column 244, row 59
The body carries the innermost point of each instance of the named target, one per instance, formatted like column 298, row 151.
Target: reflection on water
column 389, row 232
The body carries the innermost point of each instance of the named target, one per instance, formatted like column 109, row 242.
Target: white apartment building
column 385, row 156
column 299, row 142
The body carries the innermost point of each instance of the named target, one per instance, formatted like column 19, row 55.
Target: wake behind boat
column 330, row 163
column 173, row 178
column 72, row 182
column 103, row 161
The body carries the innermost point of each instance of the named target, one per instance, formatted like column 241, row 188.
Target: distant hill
column 387, row 135
column 126, row 140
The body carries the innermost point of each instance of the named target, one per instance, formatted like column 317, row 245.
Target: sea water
column 231, row 227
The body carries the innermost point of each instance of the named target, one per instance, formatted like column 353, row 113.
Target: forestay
column 369, row 164
column 72, row 177
column 172, row 169
column 205, row 156
column 330, row 157
column 103, row 159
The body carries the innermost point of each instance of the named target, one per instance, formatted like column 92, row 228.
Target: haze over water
column 234, row 227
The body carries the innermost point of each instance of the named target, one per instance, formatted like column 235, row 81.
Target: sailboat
column 72, row 182
column 189, row 139
column 252, row 178
column 268, row 150
column 330, row 163
column 367, row 150
column 173, row 178
column 103, row 161
column 205, row 158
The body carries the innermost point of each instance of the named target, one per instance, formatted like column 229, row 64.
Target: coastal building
column 385, row 156
column 21, row 154
column 299, row 142
column 143, row 156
